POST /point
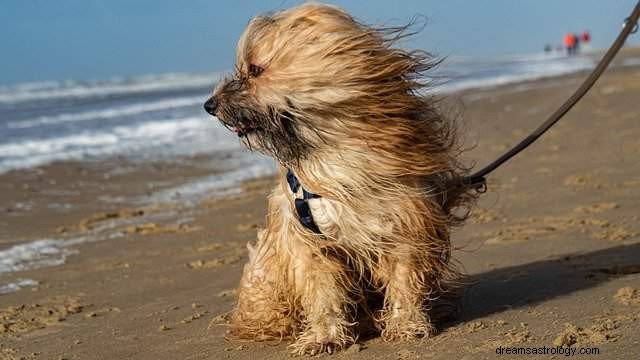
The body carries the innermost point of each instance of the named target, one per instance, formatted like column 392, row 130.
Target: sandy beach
column 552, row 250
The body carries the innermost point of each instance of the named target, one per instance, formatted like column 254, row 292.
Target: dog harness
column 302, row 205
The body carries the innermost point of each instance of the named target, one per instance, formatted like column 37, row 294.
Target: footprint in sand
column 90, row 222
column 214, row 263
column 516, row 233
column 603, row 332
column 627, row 296
column 153, row 228
column 484, row 216
column 209, row 247
column 28, row 317
column 101, row 312
column 615, row 234
column 507, row 338
column 596, row 208
column 123, row 214
column 582, row 182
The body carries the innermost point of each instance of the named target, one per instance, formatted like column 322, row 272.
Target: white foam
column 17, row 285
column 54, row 251
column 75, row 89
column 189, row 135
column 128, row 110
column 32, row 255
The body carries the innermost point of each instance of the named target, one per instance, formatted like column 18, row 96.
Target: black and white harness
column 302, row 205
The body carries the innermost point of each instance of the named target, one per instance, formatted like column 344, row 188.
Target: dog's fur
column 335, row 101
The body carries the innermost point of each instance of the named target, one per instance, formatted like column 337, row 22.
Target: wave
column 32, row 255
column 115, row 86
column 41, row 253
column 189, row 135
column 128, row 110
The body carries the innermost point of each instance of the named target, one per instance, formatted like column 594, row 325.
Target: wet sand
column 552, row 250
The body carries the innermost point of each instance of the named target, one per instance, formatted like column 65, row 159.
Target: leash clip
column 635, row 25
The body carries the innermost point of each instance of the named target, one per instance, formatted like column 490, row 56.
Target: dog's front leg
column 263, row 311
column 404, row 315
column 265, row 296
column 322, row 289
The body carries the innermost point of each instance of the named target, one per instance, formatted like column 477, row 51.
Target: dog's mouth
column 242, row 127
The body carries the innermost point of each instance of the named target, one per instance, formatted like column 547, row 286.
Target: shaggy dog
column 337, row 105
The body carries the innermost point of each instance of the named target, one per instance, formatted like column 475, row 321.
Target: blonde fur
column 339, row 105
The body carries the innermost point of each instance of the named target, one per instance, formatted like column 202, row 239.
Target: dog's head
column 312, row 77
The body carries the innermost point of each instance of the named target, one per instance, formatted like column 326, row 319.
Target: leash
column 478, row 180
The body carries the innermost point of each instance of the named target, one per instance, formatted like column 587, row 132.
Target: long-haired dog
column 333, row 101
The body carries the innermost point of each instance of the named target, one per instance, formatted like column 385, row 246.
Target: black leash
column 477, row 180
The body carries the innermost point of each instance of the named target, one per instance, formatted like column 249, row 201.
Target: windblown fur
column 336, row 102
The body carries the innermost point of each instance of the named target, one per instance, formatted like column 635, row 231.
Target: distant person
column 548, row 48
column 570, row 41
column 576, row 45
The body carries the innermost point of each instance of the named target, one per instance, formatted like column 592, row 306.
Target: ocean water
column 461, row 73
column 157, row 116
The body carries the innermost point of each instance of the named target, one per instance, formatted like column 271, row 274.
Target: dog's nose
column 211, row 105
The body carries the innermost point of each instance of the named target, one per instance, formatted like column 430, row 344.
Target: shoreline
column 555, row 241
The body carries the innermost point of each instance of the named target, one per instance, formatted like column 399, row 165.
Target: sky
column 98, row 39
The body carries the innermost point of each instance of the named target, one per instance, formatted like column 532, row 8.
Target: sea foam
column 17, row 285
column 166, row 137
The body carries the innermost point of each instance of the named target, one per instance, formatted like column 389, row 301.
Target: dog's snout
column 211, row 105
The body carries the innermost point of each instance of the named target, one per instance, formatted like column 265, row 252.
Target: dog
column 341, row 109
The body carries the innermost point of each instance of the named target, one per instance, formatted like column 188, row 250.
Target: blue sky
column 92, row 39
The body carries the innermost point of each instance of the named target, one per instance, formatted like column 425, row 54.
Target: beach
column 117, row 258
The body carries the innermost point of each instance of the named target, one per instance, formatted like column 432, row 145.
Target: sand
column 552, row 251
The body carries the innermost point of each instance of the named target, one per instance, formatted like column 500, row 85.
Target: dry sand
column 552, row 251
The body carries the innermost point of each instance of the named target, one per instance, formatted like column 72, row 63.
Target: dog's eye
column 255, row 70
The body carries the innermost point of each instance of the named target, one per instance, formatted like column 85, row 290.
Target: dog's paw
column 314, row 348
column 406, row 327
column 318, row 341
column 395, row 331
